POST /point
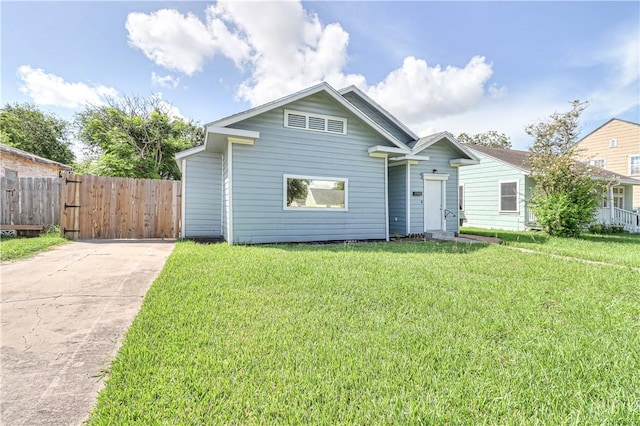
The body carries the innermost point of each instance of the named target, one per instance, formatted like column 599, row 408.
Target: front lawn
column 12, row 248
column 619, row 249
column 417, row 333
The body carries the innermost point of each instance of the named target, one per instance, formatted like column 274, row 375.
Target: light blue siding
column 482, row 194
column 380, row 119
column 439, row 156
column 203, row 195
column 398, row 200
column 258, row 170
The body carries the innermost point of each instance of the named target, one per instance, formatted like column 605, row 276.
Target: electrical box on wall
column 417, row 193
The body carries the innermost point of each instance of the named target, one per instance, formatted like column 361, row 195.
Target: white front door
column 433, row 207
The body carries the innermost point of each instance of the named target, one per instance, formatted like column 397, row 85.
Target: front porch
column 629, row 220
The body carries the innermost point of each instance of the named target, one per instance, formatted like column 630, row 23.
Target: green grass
column 619, row 249
column 12, row 248
column 418, row 333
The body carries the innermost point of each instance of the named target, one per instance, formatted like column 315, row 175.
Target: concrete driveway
column 64, row 313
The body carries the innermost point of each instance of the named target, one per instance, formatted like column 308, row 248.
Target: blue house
column 319, row 165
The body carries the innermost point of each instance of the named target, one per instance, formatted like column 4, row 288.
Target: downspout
column 386, row 196
column 408, row 186
column 183, row 199
column 230, row 195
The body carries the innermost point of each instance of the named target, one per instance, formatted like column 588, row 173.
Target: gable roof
column 6, row 149
column 426, row 141
column 600, row 127
column 520, row 160
column 380, row 109
column 322, row 87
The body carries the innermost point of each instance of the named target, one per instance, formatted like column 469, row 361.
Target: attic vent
column 335, row 126
column 296, row 120
column 315, row 122
column 613, row 143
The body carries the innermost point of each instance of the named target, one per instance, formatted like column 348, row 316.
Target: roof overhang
column 449, row 138
column 216, row 141
column 458, row 162
column 322, row 87
column 386, row 151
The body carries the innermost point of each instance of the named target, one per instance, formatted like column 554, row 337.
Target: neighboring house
column 16, row 163
column 494, row 193
column 366, row 174
column 615, row 146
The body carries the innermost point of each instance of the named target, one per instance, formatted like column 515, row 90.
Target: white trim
column 189, row 152
column 322, row 87
column 613, row 143
column 443, row 199
column 230, row 195
column 388, row 149
column 517, row 182
column 593, row 160
column 411, row 157
column 434, row 176
column 386, row 198
column 183, row 201
column 309, row 115
column 408, row 188
column 322, row 209
column 228, row 131
column 464, row 189
column 222, row 204
column 380, row 109
column 448, row 136
column 629, row 164
column 458, row 162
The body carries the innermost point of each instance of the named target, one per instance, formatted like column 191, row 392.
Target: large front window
column 315, row 193
column 509, row 196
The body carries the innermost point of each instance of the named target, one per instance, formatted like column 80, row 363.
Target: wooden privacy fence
column 97, row 207
column 30, row 201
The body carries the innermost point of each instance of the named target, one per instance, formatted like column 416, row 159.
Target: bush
column 603, row 228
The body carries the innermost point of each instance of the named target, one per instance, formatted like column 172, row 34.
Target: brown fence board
column 30, row 201
column 122, row 208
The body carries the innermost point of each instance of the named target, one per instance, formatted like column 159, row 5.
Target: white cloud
column 172, row 40
column 416, row 92
column 49, row 89
column 171, row 110
column 284, row 49
column 166, row 81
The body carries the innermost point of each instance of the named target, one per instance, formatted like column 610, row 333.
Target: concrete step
column 439, row 235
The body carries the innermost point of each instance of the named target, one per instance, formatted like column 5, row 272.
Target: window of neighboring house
column 12, row 178
column 618, row 198
column 315, row 193
column 613, row 143
column 509, row 196
column 461, row 197
column 315, row 122
column 634, row 165
column 597, row 162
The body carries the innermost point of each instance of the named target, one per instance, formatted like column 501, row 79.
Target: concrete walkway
column 64, row 313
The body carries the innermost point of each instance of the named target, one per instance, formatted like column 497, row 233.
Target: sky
column 437, row 66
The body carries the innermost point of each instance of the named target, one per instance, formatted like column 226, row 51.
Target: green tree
column 297, row 189
column 565, row 197
column 26, row 127
column 490, row 138
column 135, row 137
